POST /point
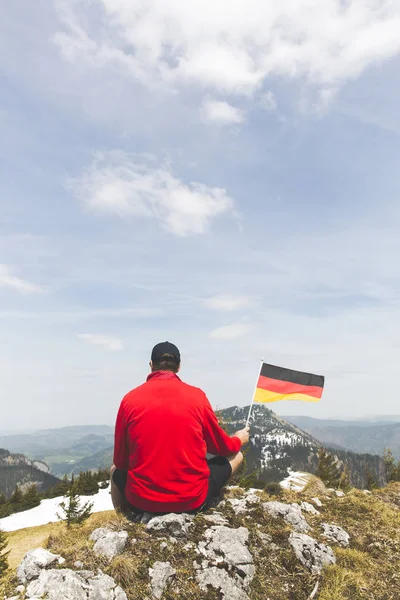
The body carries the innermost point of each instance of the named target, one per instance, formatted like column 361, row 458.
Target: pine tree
column 102, row 476
column 327, row 469
column 80, row 484
column 392, row 469
column 3, row 554
column 86, row 484
column 5, row 507
column 64, row 486
column 17, row 497
column 91, row 485
column 31, row 497
column 344, row 479
column 370, row 480
column 73, row 514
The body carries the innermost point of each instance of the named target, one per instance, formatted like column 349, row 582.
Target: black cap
column 165, row 348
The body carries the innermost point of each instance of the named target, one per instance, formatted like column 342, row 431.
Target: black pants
column 220, row 472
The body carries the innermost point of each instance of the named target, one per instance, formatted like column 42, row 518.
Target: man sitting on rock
column 163, row 432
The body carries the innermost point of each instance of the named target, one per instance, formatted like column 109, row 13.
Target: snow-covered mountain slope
column 275, row 446
column 278, row 447
column 47, row 511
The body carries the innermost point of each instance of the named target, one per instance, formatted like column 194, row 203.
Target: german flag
column 277, row 383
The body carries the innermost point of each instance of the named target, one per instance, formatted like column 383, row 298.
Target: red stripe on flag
column 286, row 387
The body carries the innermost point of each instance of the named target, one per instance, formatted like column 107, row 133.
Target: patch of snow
column 42, row 466
column 268, row 455
column 284, row 437
column 47, row 511
column 296, row 481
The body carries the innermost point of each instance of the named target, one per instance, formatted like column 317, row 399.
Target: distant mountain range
column 359, row 436
column 277, row 446
column 49, row 440
column 61, row 448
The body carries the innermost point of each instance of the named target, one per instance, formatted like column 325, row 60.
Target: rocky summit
column 251, row 545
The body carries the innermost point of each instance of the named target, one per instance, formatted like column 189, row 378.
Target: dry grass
column 315, row 487
column 368, row 570
column 23, row 540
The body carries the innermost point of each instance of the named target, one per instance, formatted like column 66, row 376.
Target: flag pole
column 255, row 389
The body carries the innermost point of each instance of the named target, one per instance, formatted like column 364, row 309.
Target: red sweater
column 164, row 429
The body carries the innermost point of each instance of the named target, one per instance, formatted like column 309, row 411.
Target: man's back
column 164, row 429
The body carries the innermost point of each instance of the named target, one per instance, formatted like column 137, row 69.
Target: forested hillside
column 18, row 470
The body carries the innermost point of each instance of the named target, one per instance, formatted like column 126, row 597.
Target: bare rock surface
column 54, row 584
column 220, row 580
column 252, row 499
column 309, row 508
column 227, row 564
column 176, row 525
column 291, row 513
column 42, row 580
column 225, row 545
column 311, row 554
column 161, row 575
column 337, row 534
column 239, row 505
column 99, row 533
column 34, row 561
column 109, row 543
column 317, row 502
column 216, row 518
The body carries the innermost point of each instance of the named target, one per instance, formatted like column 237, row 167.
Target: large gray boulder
column 220, row 580
column 223, row 545
column 309, row 508
column 242, row 505
column 313, row 555
column 34, row 561
column 291, row 513
column 161, row 575
column 252, row 499
column 239, row 505
column 103, row 587
column 65, row 584
column 227, row 564
column 109, row 543
column 99, row 533
column 55, row 584
column 216, row 518
column 334, row 533
column 176, row 525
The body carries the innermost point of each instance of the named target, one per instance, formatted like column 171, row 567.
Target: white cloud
column 268, row 101
column 9, row 280
column 227, row 303
column 107, row 341
column 117, row 184
column 231, row 47
column 222, row 112
column 231, row 332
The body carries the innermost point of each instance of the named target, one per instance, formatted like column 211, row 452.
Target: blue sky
column 223, row 175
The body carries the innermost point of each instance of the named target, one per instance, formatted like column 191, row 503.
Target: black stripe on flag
column 299, row 377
